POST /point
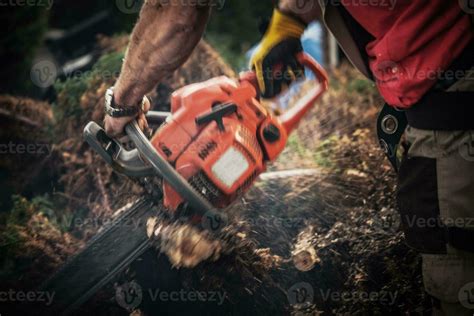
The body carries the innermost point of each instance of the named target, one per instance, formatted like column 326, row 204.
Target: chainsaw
column 215, row 142
column 206, row 153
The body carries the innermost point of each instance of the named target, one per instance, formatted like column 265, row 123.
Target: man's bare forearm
column 306, row 11
column 162, row 40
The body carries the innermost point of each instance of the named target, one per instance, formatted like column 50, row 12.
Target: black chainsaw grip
column 105, row 146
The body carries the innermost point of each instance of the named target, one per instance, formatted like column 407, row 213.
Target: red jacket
column 415, row 41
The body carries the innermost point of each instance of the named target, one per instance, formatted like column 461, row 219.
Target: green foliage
column 107, row 67
column 70, row 91
column 324, row 153
column 10, row 241
column 10, row 238
column 362, row 86
column 52, row 209
column 22, row 211
column 233, row 29
column 222, row 43
column 296, row 145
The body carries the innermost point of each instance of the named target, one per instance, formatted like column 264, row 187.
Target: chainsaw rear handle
column 293, row 116
column 127, row 162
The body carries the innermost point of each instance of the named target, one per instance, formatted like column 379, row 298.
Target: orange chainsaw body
column 221, row 158
column 220, row 164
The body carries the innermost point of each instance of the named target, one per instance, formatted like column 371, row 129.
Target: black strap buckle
column 391, row 124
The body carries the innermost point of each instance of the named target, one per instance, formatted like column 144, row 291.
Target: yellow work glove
column 275, row 62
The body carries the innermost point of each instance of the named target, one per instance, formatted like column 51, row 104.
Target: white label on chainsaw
column 230, row 167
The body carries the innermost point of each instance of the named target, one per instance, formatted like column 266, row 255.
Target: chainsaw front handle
column 293, row 116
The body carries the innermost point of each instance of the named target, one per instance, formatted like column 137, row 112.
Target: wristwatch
column 117, row 111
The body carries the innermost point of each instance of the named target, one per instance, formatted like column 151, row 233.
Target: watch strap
column 114, row 110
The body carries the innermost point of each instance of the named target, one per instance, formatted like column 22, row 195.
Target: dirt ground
column 327, row 242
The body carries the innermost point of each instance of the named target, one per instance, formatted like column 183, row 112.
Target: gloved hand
column 275, row 62
column 115, row 126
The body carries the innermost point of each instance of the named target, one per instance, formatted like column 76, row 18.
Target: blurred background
column 65, row 32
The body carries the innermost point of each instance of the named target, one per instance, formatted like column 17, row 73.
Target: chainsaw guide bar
column 112, row 250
